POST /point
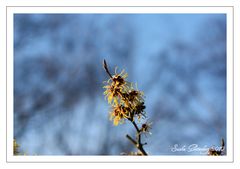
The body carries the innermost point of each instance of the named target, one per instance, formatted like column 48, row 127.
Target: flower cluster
column 217, row 151
column 15, row 147
column 214, row 152
column 126, row 102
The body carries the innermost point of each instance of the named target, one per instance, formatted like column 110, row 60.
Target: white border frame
column 11, row 10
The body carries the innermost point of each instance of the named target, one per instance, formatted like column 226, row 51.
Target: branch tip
column 106, row 68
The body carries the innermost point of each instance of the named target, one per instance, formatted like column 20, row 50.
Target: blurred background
column 178, row 60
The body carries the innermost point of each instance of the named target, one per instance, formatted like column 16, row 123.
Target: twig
column 132, row 140
column 136, row 127
column 222, row 144
column 137, row 143
column 106, row 68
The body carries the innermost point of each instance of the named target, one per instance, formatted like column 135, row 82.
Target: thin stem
column 137, row 143
column 222, row 144
column 138, row 133
column 136, row 127
column 106, row 68
column 131, row 139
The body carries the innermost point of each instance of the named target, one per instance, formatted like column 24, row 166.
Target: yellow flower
column 111, row 93
column 15, row 147
column 135, row 97
column 115, row 87
column 146, row 127
column 116, row 120
column 126, row 102
column 119, row 114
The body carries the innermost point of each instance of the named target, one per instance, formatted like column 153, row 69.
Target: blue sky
column 178, row 60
